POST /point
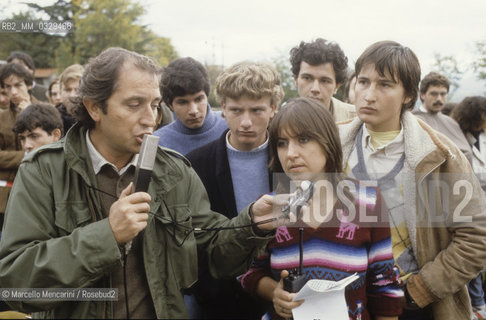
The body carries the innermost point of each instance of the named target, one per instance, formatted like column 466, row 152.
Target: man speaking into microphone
column 73, row 220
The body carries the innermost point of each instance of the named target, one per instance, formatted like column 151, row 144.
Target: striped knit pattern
column 331, row 254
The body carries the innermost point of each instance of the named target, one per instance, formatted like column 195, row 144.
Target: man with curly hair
column 320, row 68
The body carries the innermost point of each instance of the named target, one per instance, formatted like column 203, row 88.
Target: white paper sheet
column 324, row 300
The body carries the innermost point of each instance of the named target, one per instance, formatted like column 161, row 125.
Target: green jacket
column 54, row 235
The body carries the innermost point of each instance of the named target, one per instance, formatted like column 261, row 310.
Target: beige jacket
column 449, row 252
column 342, row 111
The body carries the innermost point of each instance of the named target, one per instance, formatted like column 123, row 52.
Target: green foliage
column 448, row 66
column 98, row 24
column 39, row 45
column 282, row 65
column 213, row 71
column 158, row 48
column 480, row 64
column 61, row 10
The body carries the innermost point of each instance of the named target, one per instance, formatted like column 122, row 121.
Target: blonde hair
column 252, row 79
column 73, row 72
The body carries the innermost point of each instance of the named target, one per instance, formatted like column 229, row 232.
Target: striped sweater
column 336, row 250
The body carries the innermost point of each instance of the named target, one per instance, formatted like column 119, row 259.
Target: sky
column 224, row 31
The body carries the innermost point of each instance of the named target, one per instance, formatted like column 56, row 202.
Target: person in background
column 69, row 85
column 433, row 94
column 319, row 69
column 4, row 99
column 449, row 108
column 54, row 92
column 38, row 125
column 234, row 170
column 349, row 95
column 38, row 90
column 304, row 145
column 17, row 81
column 185, row 89
column 471, row 116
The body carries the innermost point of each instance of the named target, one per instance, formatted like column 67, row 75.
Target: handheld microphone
column 143, row 172
column 300, row 198
column 145, row 163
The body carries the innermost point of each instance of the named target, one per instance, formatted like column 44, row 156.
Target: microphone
column 145, row 163
column 300, row 198
column 143, row 171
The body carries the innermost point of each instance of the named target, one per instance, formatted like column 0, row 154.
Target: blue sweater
column 178, row 137
column 249, row 173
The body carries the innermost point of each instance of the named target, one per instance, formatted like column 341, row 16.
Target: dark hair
column 470, row 113
column 26, row 59
column 53, row 82
column 306, row 117
column 434, row 79
column 181, row 77
column 319, row 52
column 449, row 108
column 347, row 87
column 37, row 115
column 399, row 61
column 17, row 70
column 100, row 79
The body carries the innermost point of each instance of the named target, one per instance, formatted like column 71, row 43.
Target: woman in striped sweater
column 346, row 227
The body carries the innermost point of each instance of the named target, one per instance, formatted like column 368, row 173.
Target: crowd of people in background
column 224, row 167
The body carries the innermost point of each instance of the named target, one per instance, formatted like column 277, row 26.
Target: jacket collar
column 414, row 131
column 166, row 175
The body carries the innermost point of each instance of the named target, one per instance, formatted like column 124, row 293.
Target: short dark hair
column 53, row 82
column 17, row 70
column 347, row 86
column 399, row 61
column 181, row 77
column 470, row 113
column 319, row 52
column 27, row 59
column 37, row 115
column 434, row 79
column 100, row 80
column 448, row 108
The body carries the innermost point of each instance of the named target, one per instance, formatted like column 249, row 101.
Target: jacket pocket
column 181, row 243
column 70, row 215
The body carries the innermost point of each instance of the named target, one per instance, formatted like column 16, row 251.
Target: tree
column 480, row 65
column 61, row 10
column 158, row 48
column 38, row 45
column 213, row 71
column 287, row 82
column 98, row 24
column 448, row 66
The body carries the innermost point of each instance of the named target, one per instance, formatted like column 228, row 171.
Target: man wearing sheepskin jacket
column 437, row 209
